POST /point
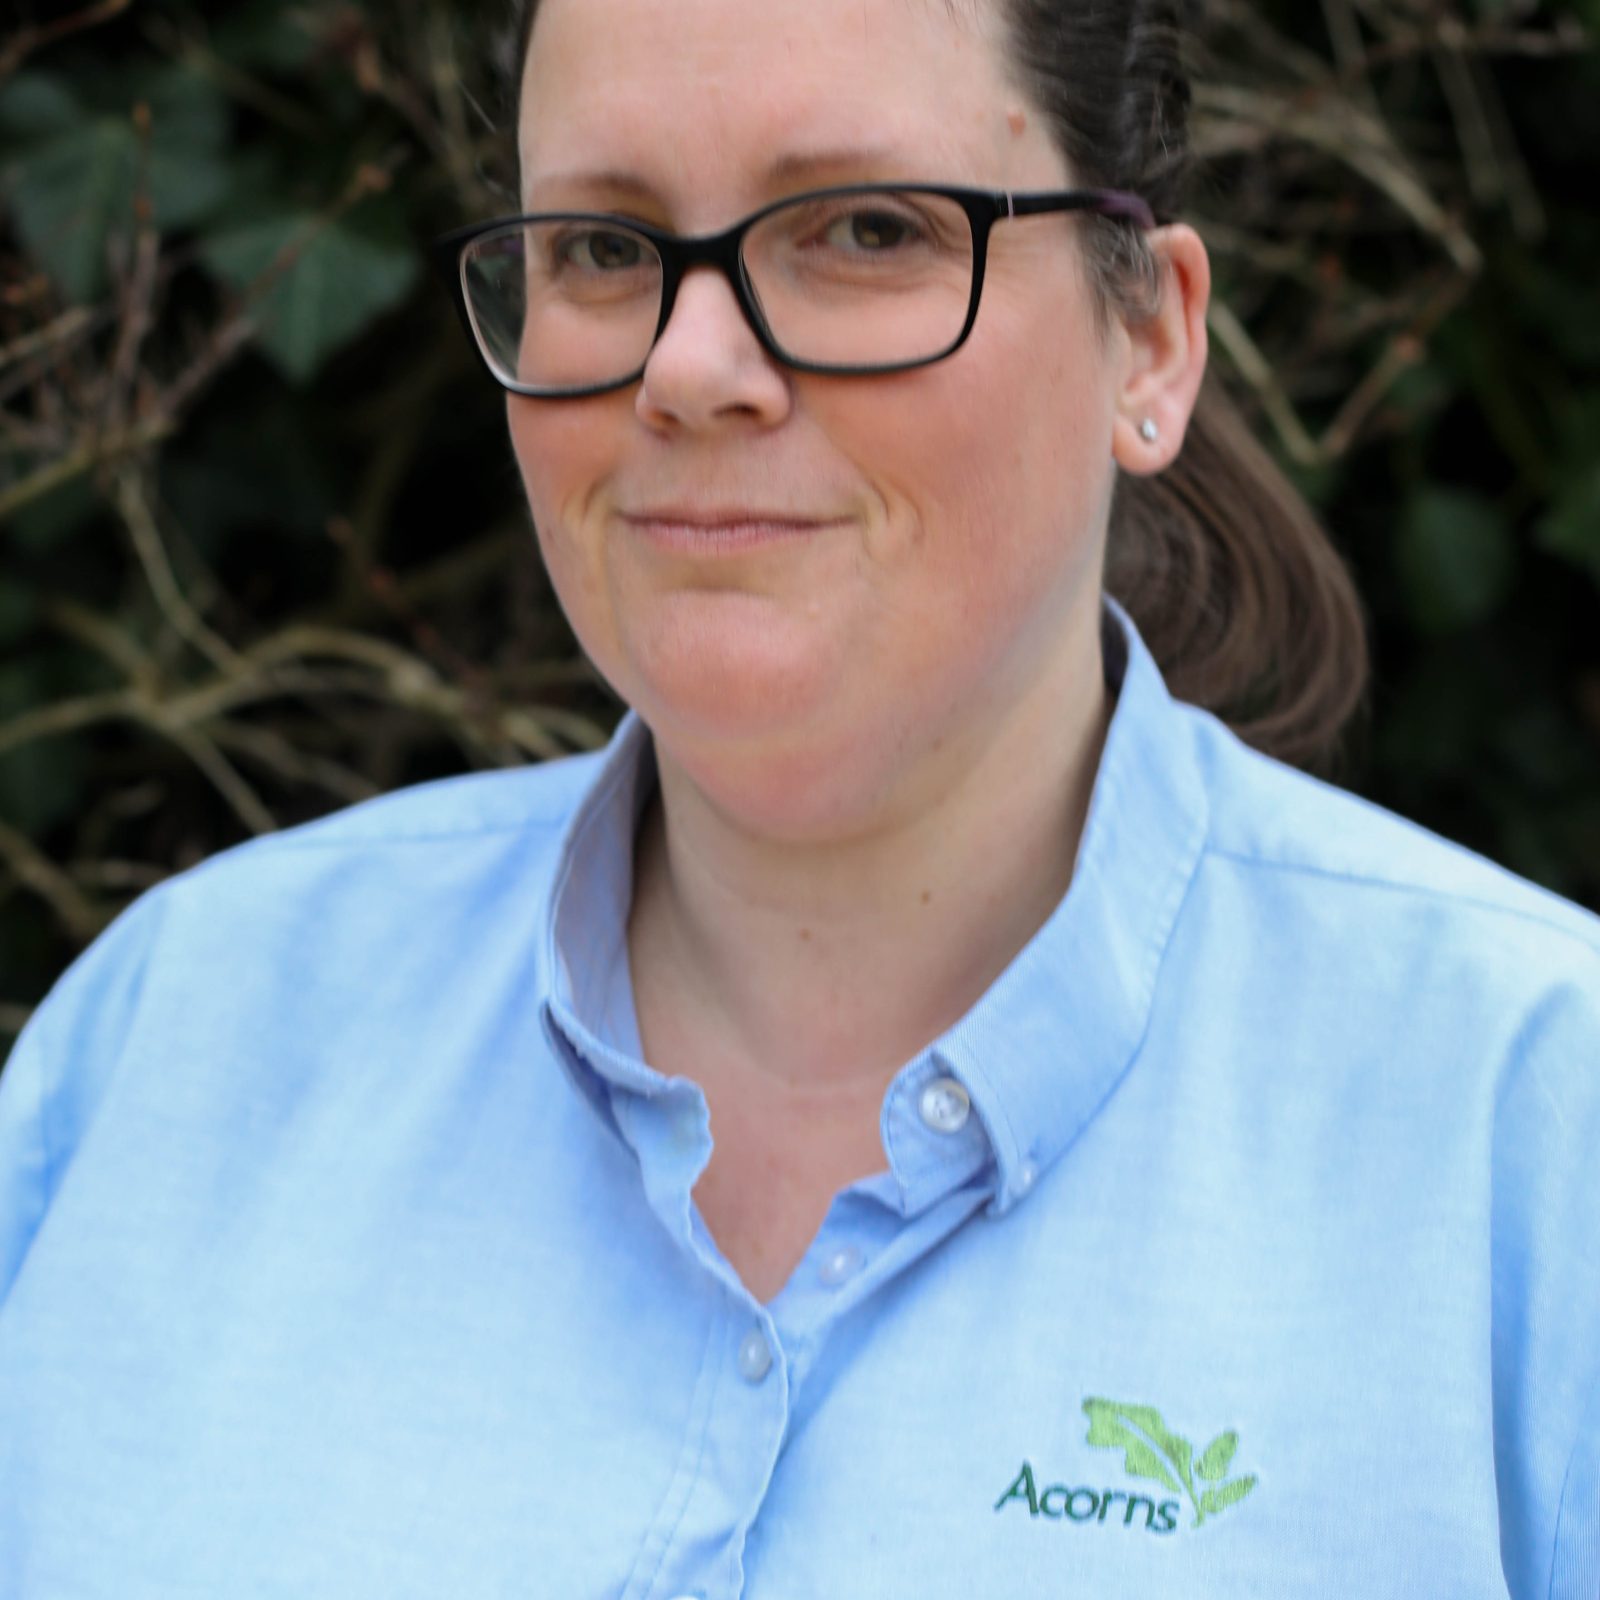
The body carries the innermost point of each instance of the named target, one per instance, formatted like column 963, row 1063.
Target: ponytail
column 1243, row 601
column 1241, row 597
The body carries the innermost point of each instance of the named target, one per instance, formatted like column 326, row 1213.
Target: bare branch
column 278, row 755
column 1257, row 371
column 26, row 40
column 1348, row 135
column 79, row 915
column 84, row 457
column 63, row 330
column 68, row 716
column 106, row 639
column 247, row 805
column 141, row 525
column 187, row 45
column 119, row 877
column 1403, row 352
column 139, row 289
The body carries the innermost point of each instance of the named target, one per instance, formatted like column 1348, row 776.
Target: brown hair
column 1235, row 587
column 1233, row 584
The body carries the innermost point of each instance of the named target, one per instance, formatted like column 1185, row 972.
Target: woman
column 927, row 1112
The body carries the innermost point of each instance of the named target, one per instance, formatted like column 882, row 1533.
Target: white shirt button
column 755, row 1356
column 1027, row 1176
column 840, row 1266
column 945, row 1106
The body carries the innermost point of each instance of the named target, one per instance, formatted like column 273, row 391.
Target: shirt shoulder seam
column 1373, row 880
column 274, row 843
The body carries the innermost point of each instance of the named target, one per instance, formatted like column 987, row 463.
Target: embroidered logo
column 1151, row 1450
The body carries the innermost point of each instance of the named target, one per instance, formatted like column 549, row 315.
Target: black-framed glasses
column 866, row 278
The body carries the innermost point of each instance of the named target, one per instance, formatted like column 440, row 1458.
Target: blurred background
column 264, row 549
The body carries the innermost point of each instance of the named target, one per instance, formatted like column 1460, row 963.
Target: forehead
column 703, row 98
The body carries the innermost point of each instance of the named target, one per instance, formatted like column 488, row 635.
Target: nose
column 707, row 366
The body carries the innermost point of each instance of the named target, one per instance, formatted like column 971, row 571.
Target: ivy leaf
column 265, row 35
column 1572, row 528
column 189, row 125
column 1455, row 558
column 1214, row 1463
column 343, row 276
column 35, row 105
column 1230, row 1494
column 1112, row 1426
column 66, row 192
column 79, row 161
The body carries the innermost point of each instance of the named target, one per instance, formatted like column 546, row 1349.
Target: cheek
column 981, row 483
column 564, row 455
column 997, row 489
column 559, row 451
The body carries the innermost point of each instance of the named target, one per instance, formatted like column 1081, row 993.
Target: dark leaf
column 1456, row 558
column 341, row 278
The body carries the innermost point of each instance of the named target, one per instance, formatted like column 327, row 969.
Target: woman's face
column 950, row 575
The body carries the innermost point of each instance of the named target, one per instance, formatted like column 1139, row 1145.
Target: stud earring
column 1148, row 431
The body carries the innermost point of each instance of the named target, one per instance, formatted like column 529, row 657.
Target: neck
column 825, row 966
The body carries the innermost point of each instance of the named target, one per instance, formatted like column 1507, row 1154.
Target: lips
column 736, row 517
column 699, row 531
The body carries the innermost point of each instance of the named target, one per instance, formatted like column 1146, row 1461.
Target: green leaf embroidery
column 1139, row 1432
column 1112, row 1426
column 1143, row 1462
column 1214, row 1463
column 1230, row 1494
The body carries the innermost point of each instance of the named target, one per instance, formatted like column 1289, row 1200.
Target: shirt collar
column 1051, row 1037
column 1049, row 1040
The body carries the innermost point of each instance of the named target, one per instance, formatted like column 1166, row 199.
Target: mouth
column 722, row 532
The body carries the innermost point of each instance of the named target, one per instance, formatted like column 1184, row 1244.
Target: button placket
column 755, row 1356
column 933, row 1134
column 696, row 1549
column 945, row 1106
column 840, row 1265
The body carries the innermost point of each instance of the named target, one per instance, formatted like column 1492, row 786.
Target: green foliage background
column 264, row 551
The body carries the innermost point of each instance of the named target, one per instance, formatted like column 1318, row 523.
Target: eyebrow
column 790, row 168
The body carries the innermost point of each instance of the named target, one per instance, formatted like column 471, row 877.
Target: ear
column 1165, row 355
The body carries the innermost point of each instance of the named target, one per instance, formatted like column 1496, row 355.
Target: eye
column 599, row 250
column 873, row 231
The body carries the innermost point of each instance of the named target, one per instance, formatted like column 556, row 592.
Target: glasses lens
column 863, row 280
column 880, row 278
column 563, row 303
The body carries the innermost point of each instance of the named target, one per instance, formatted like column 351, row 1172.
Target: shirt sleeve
column 1545, row 1250
column 57, row 1072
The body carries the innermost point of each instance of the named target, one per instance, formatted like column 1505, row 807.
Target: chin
column 779, row 751
column 730, row 669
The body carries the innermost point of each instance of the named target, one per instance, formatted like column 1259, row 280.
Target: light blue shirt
column 1243, row 1239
